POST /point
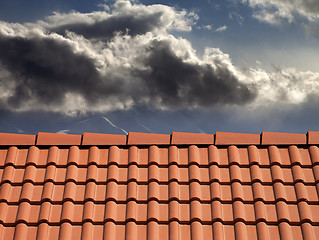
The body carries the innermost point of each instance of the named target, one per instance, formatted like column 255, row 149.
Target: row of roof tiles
column 176, row 138
column 156, row 231
column 142, row 193
column 154, row 211
column 162, row 157
column 162, row 175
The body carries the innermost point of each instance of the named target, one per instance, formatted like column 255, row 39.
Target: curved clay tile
column 177, row 186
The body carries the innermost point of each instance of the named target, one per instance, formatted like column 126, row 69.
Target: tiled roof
column 157, row 186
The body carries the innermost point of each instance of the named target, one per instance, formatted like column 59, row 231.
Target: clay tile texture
column 16, row 139
column 103, row 139
column 224, row 138
column 271, row 138
column 155, row 186
column 58, row 139
column 313, row 137
column 179, row 138
column 135, row 138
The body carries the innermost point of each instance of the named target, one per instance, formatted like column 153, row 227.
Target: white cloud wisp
column 278, row 11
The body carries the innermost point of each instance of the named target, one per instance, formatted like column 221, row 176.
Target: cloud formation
column 277, row 11
column 221, row 29
column 123, row 16
column 126, row 56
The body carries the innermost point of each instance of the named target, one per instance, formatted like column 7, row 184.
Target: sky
column 74, row 66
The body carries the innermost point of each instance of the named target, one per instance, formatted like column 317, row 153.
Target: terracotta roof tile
column 103, row 139
column 135, row 138
column 224, row 138
column 16, row 139
column 58, row 139
column 313, row 137
column 272, row 138
column 179, row 138
column 154, row 189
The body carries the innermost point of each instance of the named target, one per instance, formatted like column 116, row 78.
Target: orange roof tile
column 179, row 138
column 135, row 138
column 16, row 139
column 58, row 139
column 313, row 137
column 159, row 187
column 271, row 138
column 224, row 138
column 103, row 139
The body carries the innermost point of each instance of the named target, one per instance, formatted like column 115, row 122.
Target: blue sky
column 159, row 66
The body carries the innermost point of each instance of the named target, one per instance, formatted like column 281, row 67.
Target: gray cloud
column 105, row 29
column 56, row 66
column 277, row 11
column 45, row 69
column 178, row 84
column 124, row 17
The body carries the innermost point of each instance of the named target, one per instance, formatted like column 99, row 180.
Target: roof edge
column 148, row 139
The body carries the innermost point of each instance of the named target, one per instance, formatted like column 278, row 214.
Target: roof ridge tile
column 103, row 139
column 58, row 139
column 179, row 138
column 226, row 138
column 275, row 138
column 175, row 138
column 17, row 139
column 135, row 138
column 313, row 137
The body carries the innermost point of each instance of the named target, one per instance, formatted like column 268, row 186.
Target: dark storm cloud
column 106, row 28
column 46, row 70
column 141, row 65
column 178, row 83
